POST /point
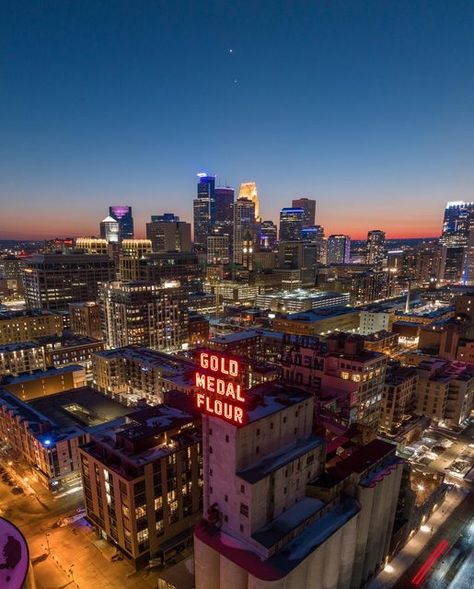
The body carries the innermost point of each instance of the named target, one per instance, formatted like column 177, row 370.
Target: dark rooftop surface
column 320, row 314
column 83, row 407
column 270, row 397
column 359, row 461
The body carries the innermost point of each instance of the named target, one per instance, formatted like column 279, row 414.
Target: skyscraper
column 454, row 239
column 53, row 281
column 248, row 190
column 376, row 248
column 123, row 215
column 132, row 251
column 268, row 235
column 309, row 207
column 224, row 197
column 141, row 313
column 291, row 223
column 338, row 249
column 168, row 234
column 315, row 234
column 109, row 230
column 204, row 209
column 244, row 221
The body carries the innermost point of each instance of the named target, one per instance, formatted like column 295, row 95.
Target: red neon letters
column 219, row 392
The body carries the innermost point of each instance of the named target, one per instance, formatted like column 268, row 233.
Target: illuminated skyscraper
column 338, row 249
column 309, row 207
column 204, row 209
column 291, row 223
column 141, row 313
column 132, row 251
column 109, row 230
column 456, row 227
column 123, row 215
column 376, row 248
column 248, row 190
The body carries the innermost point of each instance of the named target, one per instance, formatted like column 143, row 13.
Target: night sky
column 366, row 106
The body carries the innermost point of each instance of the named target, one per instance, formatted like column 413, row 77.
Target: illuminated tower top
column 248, row 190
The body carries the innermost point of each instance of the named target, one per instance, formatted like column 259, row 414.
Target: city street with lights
column 451, row 523
column 72, row 554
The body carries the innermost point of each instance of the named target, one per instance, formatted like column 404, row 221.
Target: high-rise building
column 454, row 239
column 315, row 234
column 53, row 281
column 131, row 252
column 123, row 215
column 309, row 207
column 173, row 267
column 244, row 221
column 376, row 248
column 140, row 313
column 469, row 255
column 109, row 229
column 86, row 320
column 133, row 373
column 168, row 234
column 268, row 235
column 248, row 190
column 218, row 249
column 224, row 197
column 204, row 209
column 92, row 245
column 338, row 249
column 142, row 482
column 291, row 223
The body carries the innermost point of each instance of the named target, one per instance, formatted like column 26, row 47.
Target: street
column 74, row 554
column 446, row 551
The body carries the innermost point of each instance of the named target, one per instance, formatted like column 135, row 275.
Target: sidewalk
column 405, row 558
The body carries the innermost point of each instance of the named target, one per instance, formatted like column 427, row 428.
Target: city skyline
column 366, row 109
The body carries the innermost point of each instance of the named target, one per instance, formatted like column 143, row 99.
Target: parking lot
column 444, row 451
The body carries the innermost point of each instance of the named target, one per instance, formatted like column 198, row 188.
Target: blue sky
column 366, row 106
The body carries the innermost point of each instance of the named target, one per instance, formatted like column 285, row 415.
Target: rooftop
column 64, row 415
column 267, row 398
column 148, row 356
column 301, row 294
column 283, row 525
column 143, row 436
column 289, row 557
column 320, row 314
column 11, row 314
column 37, row 374
column 18, row 347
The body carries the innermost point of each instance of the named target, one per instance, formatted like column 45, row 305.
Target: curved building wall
column 16, row 571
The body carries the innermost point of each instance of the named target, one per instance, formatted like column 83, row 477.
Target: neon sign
column 219, row 390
